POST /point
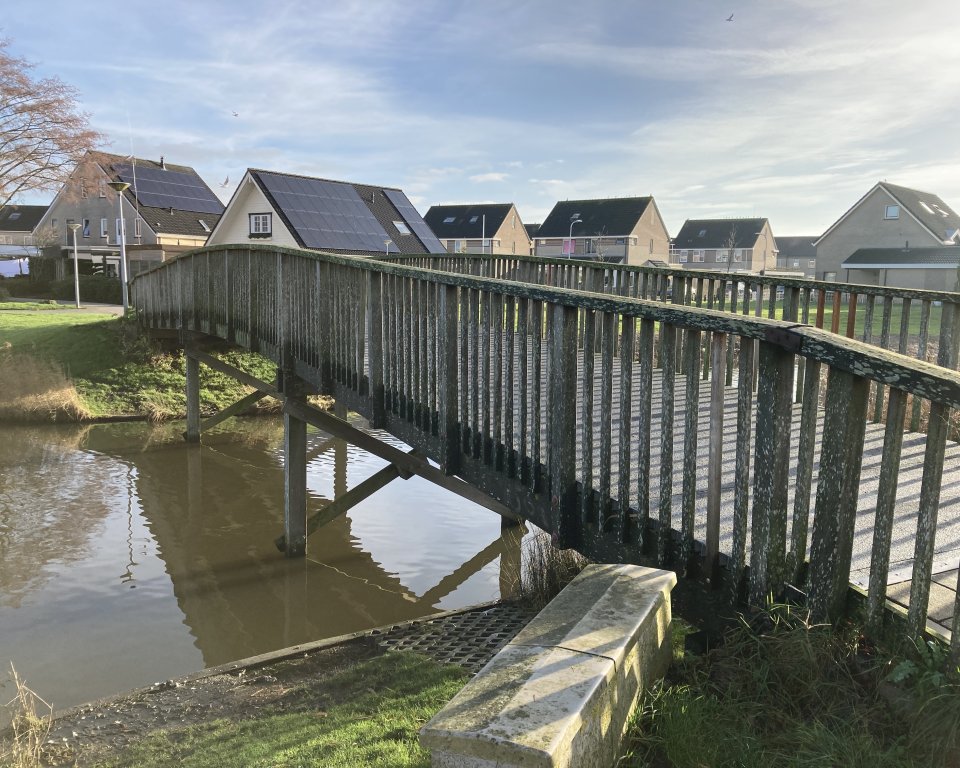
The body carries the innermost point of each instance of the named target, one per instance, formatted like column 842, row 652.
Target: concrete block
column 561, row 693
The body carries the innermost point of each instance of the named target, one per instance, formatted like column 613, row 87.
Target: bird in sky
column 237, row 115
column 226, row 181
column 729, row 18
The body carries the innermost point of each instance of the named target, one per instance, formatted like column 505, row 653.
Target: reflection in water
column 128, row 556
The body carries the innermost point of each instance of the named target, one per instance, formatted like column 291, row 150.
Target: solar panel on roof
column 414, row 220
column 159, row 188
column 325, row 214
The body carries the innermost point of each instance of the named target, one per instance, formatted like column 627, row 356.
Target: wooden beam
column 347, row 501
column 244, row 378
column 404, row 462
column 232, row 410
column 192, row 434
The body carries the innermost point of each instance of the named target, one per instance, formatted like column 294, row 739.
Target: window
column 458, row 246
column 14, row 216
column 796, row 262
column 683, row 257
column 53, row 224
column 104, row 228
column 206, row 227
column 812, row 263
column 702, row 233
column 473, row 219
column 737, row 255
column 86, row 227
column 136, row 228
column 926, row 207
column 698, row 255
column 402, row 228
column 891, row 212
column 261, row 224
column 101, row 191
column 651, row 245
column 83, row 189
column 940, row 210
column 449, row 219
column 722, row 255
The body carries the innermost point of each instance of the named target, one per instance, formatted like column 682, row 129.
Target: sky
column 790, row 110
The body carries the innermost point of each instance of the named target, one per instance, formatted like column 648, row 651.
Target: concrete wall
column 234, row 225
column 865, row 227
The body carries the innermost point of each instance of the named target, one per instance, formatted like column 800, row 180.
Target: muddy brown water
column 129, row 557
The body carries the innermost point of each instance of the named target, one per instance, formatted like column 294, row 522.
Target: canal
column 128, row 556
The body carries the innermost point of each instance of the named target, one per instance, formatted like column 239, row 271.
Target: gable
column 716, row 233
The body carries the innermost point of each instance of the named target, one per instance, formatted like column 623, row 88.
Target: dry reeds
column 36, row 390
column 546, row 569
column 31, row 720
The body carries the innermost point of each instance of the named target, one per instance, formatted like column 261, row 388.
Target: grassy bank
column 66, row 366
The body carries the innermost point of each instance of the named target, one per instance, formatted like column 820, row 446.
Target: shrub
column 26, row 287
column 96, row 288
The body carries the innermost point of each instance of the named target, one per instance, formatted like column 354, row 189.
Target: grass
column 34, row 306
column 30, row 724
column 792, row 694
column 369, row 716
column 547, row 569
column 65, row 366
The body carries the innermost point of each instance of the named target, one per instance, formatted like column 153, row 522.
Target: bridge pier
column 294, row 468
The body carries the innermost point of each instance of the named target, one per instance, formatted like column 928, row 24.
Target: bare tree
column 730, row 244
column 43, row 135
column 600, row 246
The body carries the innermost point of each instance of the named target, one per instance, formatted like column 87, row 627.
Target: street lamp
column 387, row 244
column 76, row 270
column 575, row 219
column 120, row 187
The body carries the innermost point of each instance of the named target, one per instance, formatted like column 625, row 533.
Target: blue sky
column 792, row 110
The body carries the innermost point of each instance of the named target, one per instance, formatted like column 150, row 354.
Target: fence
column 556, row 403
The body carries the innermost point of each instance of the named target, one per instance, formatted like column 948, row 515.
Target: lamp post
column 76, row 270
column 575, row 219
column 120, row 187
column 387, row 244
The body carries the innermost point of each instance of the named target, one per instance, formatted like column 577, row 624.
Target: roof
column 797, row 247
column 716, row 233
column 935, row 257
column 343, row 217
column 467, row 221
column 611, row 217
column 21, row 218
column 929, row 210
column 532, row 229
column 171, row 199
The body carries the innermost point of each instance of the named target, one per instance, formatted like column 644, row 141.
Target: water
column 128, row 556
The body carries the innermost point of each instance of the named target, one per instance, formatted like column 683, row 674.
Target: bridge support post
column 294, row 470
column 193, row 398
column 563, row 424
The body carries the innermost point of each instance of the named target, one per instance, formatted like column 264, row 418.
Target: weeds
column 781, row 691
column 29, row 728
column 546, row 570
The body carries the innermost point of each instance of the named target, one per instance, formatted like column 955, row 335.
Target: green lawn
column 366, row 717
column 114, row 369
column 30, row 305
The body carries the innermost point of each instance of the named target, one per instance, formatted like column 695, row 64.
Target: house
column 888, row 216
column 483, row 228
column 167, row 209
column 725, row 245
column 319, row 214
column 17, row 223
column 797, row 254
column 935, row 268
column 626, row 230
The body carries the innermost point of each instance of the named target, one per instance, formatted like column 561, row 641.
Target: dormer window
column 261, row 224
column 402, row 228
column 206, row 227
column 891, row 212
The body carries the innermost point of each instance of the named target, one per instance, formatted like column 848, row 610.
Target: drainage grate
column 469, row 639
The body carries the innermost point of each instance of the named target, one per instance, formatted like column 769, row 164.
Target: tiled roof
column 716, row 233
column 20, row 218
column 532, row 230
column 797, row 247
column 612, row 217
column 946, row 255
column 929, row 209
column 466, row 221
column 172, row 221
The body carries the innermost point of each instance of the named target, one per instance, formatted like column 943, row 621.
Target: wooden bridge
column 692, row 420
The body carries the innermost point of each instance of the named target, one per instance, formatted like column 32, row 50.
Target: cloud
column 485, row 177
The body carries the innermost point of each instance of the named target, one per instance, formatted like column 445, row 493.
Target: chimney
column 163, row 165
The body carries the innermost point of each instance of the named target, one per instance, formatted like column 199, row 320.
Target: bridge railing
column 556, row 403
column 900, row 319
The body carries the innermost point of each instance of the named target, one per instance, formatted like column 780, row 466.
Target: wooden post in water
column 294, row 470
column 193, row 398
